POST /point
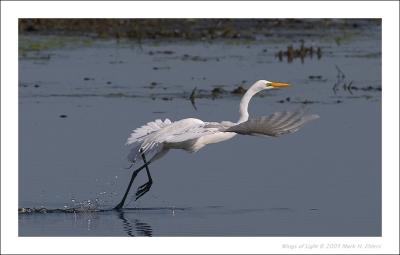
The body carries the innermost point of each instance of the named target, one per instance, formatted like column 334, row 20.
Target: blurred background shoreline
column 188, row 29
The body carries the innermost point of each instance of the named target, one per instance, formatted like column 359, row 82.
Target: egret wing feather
column 152, row 137
column 192, row 131
column 140, row 139
column 219, row 125
column 141, row 133
column 276, row 124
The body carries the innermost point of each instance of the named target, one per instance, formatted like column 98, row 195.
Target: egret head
column 254, row 89
column 263, row 84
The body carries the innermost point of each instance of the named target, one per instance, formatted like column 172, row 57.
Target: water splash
column 73, row 207
column 85, row 205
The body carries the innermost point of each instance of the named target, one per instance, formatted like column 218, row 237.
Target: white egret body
column 156, row 138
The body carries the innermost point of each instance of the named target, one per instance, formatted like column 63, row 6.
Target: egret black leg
column 134, row 174
column 143, row 189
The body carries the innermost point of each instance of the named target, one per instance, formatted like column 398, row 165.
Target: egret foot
column 143, row 189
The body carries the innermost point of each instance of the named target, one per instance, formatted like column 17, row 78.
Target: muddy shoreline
column 187, row 29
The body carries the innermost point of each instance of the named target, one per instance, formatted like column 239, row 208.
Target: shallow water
column 78, row 105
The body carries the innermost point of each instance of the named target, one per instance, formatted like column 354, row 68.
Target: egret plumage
column 156, row 138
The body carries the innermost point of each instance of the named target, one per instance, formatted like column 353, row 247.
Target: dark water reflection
column 135, row 226
column 138, row 228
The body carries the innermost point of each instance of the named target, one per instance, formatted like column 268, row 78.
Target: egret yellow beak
column 279, row 84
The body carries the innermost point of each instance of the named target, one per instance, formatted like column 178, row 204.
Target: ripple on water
column 91, row 208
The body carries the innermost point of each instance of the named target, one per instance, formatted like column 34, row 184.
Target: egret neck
column 244, row 104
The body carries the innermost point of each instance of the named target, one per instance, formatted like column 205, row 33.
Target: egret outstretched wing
column 276, row 124
column 154, row 135
column 139, row 135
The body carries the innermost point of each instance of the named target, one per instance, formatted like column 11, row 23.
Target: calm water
column 78, row 105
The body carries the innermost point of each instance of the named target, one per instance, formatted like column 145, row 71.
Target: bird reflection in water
column 138, row 228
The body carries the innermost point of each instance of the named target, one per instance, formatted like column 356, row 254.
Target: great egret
column 158, row 137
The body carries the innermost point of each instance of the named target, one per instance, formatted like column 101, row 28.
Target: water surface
column 78, row 105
